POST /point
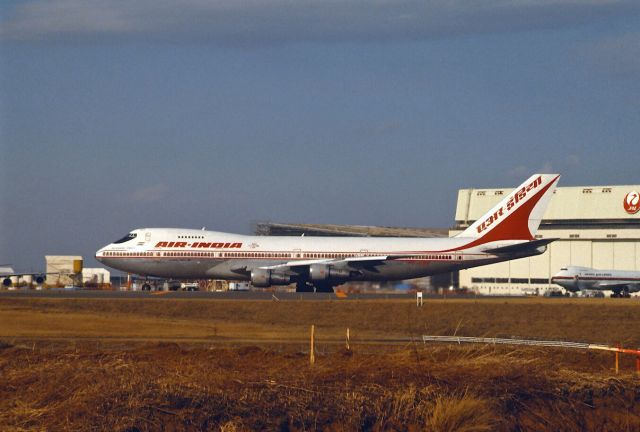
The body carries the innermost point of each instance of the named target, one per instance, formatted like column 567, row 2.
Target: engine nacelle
column 39, row 279
column 327, row 273
column 6, row 282
column 265, row 278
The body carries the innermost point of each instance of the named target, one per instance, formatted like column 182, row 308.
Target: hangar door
column 581, row 253
column 602, row 253
column 559, row 255
column 624, row 255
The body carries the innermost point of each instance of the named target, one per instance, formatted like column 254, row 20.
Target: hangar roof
column 273, row 228
column 570, row 205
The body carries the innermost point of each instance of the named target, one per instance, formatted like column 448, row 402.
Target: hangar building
column 597, row 226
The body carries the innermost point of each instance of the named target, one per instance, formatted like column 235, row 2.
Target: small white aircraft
column 506, row 232
column 574, row 278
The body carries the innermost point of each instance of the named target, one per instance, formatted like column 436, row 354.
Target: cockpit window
column 563, row 269
column 126, row 238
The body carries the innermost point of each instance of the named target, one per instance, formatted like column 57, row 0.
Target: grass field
column 161, row 364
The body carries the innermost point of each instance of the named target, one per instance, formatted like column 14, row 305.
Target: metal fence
column 529, row 342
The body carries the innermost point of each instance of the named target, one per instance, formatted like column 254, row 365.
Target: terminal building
column 596, row 226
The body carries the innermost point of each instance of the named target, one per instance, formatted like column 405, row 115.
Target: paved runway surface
column 225, row 295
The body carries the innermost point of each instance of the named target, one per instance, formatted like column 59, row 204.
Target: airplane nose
column 100, row 254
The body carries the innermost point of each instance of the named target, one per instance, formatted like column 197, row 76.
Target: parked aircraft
column 574, row 278
column 506, row 232
column 7, row 272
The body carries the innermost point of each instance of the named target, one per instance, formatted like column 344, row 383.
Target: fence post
column 348, row 339
column 617, row 359
column 312, row 356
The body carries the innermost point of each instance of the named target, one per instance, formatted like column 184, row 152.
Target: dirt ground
column 174, row 365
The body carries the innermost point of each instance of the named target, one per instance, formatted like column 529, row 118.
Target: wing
column 366, row 261
column 38, row 277
column 10, row 274
column 302, row 266
column 34, row 274
column 632, row 287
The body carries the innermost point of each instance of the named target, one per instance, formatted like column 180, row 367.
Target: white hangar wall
column 594, row 227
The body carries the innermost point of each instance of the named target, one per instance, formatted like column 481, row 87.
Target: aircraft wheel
column 146, row 287
column 324, row 288
column 303, row 286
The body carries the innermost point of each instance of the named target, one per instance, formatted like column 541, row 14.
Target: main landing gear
column 304, row 286
column 621, row 293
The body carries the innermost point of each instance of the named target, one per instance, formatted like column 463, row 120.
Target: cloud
column 546, row 168
column 573, row 160
column 519, row 171
column 149, row 194
column 260, row 22
column 618, row 55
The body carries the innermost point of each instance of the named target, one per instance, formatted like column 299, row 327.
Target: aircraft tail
column 518, row 215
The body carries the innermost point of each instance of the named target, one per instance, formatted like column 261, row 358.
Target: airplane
column 7, row 272
column 575, row 278
column 318, row 264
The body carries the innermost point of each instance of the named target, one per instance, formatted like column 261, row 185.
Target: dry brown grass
column 197, row 383
column 461, row 414
column 170, row 387
column 592, row 320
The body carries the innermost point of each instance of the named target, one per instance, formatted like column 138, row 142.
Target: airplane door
column 147, row 237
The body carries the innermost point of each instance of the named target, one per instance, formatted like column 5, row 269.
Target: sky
column 116, row 115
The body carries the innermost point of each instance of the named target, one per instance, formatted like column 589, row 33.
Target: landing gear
column 324, row 288
column 146, row 286
column 621, row 293
column 304, row 286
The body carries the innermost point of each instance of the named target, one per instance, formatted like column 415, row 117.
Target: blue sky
column 117, row 114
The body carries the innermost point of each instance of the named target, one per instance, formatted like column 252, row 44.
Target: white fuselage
column 575, row 279
column 199, row 254
column 505, row 232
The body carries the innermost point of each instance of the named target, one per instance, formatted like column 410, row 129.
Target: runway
column 201, row 295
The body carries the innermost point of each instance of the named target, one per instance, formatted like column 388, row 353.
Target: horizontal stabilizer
column 521, row 247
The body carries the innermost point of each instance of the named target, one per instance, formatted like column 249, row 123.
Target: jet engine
column 265, row 278
column 327, row 273
column 6, row 282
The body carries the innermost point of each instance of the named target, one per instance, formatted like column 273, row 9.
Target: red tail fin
column 518, row 216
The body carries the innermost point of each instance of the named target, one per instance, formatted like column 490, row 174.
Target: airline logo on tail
column 517, row 216
column 515, row 199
